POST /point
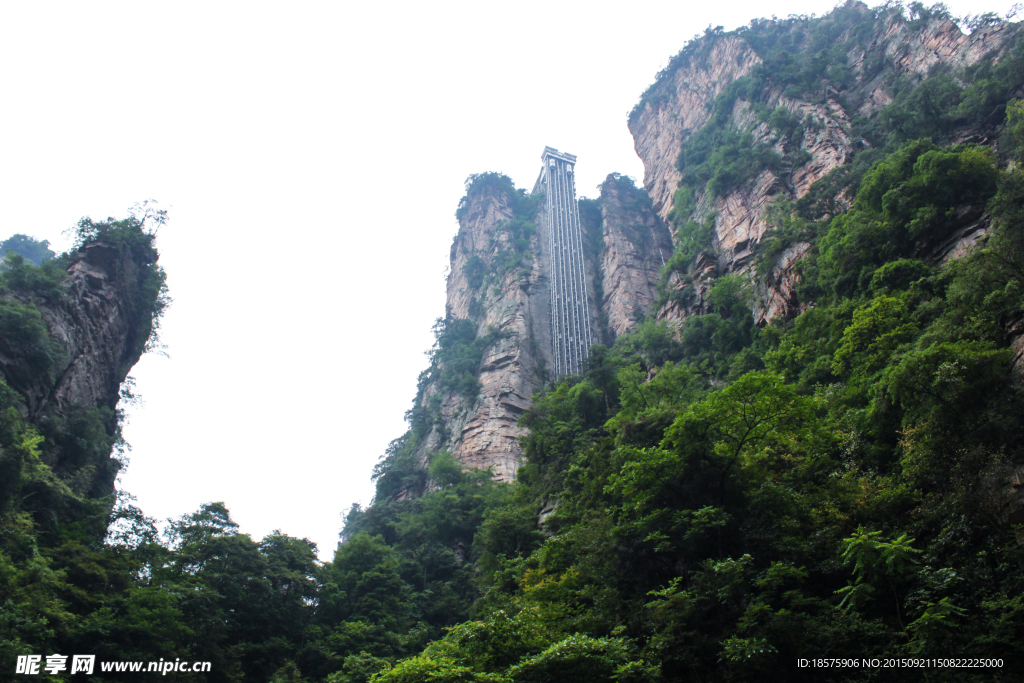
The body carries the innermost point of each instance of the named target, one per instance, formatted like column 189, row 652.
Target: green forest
column 706, row 502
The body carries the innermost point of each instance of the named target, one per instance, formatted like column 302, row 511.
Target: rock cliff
column 68, row 348
column 98, row 326
column 635, row 247
column 892, row 52
column 512, row 302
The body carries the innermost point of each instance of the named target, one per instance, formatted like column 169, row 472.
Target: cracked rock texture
column 635, row 246
column 94, row 331
column 483, row 432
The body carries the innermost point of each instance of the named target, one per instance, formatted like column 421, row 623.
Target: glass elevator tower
column 570, row 308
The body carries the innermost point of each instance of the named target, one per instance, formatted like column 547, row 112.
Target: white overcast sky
column 311, row 156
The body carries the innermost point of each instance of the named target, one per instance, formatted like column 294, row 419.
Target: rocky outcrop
column 918, row 50
column 636, row 241
column 677, row 107
column 636, row 245
column 94, row 333
column 1015, row 332
column 958, row 235
column 776, row 292
column 66, row 347
column 99, row 327
column 508, row 296
column 681, row 102
column 482, row 432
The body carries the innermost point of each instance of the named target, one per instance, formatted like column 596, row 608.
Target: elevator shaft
column 571, row 336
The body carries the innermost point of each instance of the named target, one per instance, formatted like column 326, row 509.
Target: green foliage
column 364, row 583
column 209, row 594
column 874, row 559
column 456, row 356
column 577, row 659
column 878, row 329
column 691, row 239
column 21, row 277
column 721, row 159
column 30, row 249
column 647, row 402
column 479, row 184
column 23, row 334
column 906, row 202
column 726, row 499
column 474, row 269
column 935, row 107
column 899, row 275
column 1015, row 126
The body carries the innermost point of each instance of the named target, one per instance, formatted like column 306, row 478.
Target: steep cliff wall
column 788, row 110
column 886, row 54
column 98, row 326
column 95, row 331
column 635, row 247
column 498, row 280
column 677, row 105
column 69, row 333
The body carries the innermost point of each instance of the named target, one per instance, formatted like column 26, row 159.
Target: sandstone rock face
column 679, row 108
column 776, row 292
column 918, row 51
column 636, row 245
column 95, row 336
column 96, row 328
column 681, row 102
column 95, row 332
column 483, row 432
column 635, row 240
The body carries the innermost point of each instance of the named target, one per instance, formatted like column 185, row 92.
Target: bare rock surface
column 483, row 432
column 636, row 245
column 93, row 332
column 678, row 109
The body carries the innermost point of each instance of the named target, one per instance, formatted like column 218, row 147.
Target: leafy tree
column 29, row 248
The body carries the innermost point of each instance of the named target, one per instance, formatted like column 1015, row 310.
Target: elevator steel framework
column 570, row 307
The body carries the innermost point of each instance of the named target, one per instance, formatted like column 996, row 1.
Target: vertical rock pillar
column 571, row 334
